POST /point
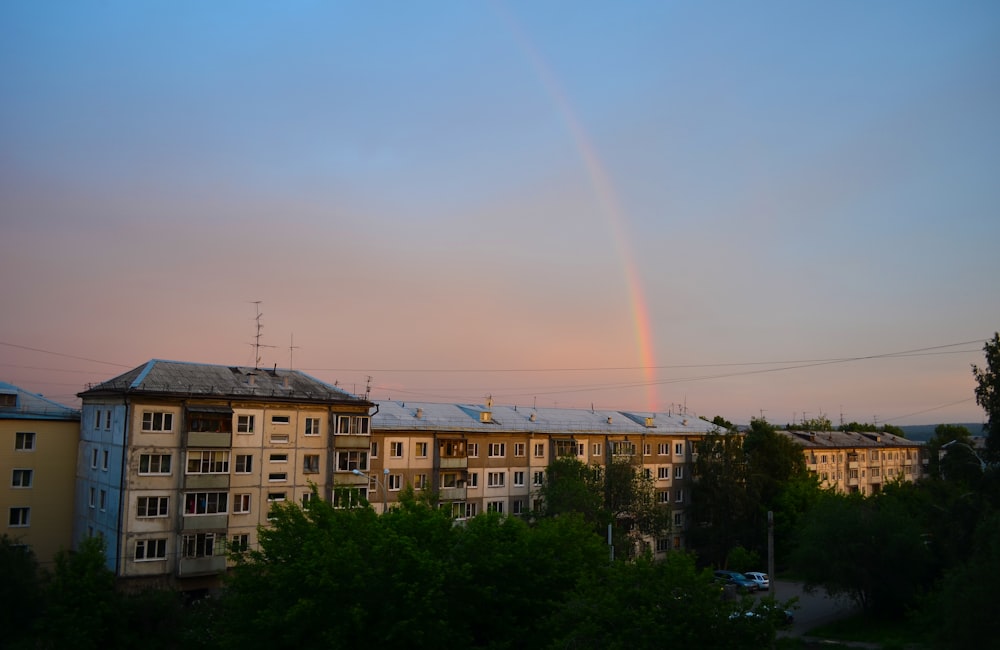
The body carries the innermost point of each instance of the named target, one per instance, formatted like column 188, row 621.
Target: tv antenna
column 257, row 345
column 291, row 349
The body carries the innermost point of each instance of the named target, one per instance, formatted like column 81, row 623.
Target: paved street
column 811, row 610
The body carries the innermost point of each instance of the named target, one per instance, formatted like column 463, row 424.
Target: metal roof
column 158, row 377
column 467, row 418
column 31, row 406
column 847, row 439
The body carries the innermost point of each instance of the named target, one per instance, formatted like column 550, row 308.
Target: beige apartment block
column 177, row 460
column 38, row 441
column 860, row 462
column 489, row 458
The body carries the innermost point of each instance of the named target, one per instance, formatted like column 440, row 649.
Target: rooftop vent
column 485, row 416
column 533, row 417
column 420, row 413
column 650, row 422
column 609, row 419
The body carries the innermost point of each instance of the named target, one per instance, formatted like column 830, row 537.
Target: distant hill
column 924, row 432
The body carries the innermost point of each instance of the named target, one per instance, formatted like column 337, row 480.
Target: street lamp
column 378, row 484
column 942, row 452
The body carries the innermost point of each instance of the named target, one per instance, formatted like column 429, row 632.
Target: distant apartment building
column 38, row 441
column 860, row 462
column 487, row 458
column 176, row 460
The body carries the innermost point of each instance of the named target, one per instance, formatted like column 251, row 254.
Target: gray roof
column 465, row 418
column 847, row 439
column 183, row 379
column 31, row 406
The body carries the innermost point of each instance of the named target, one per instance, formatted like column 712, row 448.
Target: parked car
column 763, row 583
column 734, row 578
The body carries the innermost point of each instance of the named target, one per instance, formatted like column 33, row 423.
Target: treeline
column 347, row 578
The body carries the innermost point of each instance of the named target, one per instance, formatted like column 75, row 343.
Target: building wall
column 49, row 496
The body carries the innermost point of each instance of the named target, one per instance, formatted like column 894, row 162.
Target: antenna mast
column 291, row 348
column 257, row 345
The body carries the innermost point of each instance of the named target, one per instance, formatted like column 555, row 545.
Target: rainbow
column 601, row 183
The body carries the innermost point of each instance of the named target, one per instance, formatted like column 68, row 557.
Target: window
column 473, row 450
column 348, row 461
column 395, row 450
column 471, row 510
column 244, row 463
column 201, row 545
column 420, row 482
column 24, row 441
column 647, row 449
column 565, row 448
column 539, row 449
column 210, row 422
column 274, row 497
column 597, row 449
column 310, row 464
column 497, row 450
column 678, row 519
column 150, row 549
column 357, row 425
column 307, row 499
column 451, row 448
column 206, row 503
column 312, row 426
column 662, row 544
column 19, row 517
column 241, row 504
column 680, row 496
column 279, row 458
column 451, row 480
column 519, row 449
column 97, row 419
column 104, row 464
column 154, row 463
column 241, row 542
column 395, row 481
column 152, row 507
column 663, row 496
column 349, row 497
column 494, row 506
column 663, row 473
column 93, row 458
column 208, row 462
column 104, row 499
column 679, row 449
column 518, row 479
column 647, row 473
column 420, row 449
column 281, row 419
column 244, row 424
column 537, row 478
column 517, row 506
column 279, row 438
column 277, row 476
column 374, row 448
column 495, row 479
column 622, row 448
column 157, row 422
column 678, row 471
column 473, row 479
column 663, row 449
column 107, row 420
column 93, row 497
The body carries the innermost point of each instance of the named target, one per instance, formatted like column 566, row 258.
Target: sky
column 777, row 209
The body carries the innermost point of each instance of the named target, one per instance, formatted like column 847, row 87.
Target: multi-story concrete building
column 860, row 462
column 38, row 441
column 492, row 458
column 177, row 459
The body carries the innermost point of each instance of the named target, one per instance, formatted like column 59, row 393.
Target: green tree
column 573, row 486
column 956, row 461
column 20, row 591
column 721, row 506
column 988, row 394
column 81, row 604
column 870, row 549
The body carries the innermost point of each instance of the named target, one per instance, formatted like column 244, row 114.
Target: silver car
column 763, row 583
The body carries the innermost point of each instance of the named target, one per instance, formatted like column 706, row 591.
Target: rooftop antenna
column 257, row 345
column 291, row 349
column 368, row 387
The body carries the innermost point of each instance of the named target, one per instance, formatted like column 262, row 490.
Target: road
column 812, row 609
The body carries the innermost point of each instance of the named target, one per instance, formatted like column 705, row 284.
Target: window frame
column 191, row 500
column 157, row 422
column 24, row 441
column 23, row 517
column 157, row 553
column 160, row 503
column 21, row 473
column 149, row 464
column 312, row 426
column 245, row 424
column 496, row 479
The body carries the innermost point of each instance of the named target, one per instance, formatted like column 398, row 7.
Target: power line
column 62, row 354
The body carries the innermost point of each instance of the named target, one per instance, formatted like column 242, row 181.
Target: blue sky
column 415, row 188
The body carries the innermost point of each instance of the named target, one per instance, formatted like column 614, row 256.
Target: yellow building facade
column 38, row 445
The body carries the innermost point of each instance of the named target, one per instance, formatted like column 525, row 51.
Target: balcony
column 206, row 481
column 204, row 522
column 453, row 494
column 352, row 442
column 853, row 465
column 209, row 439
column 453, row 462
column 199, row 566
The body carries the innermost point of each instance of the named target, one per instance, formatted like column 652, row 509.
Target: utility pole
column 772, row 590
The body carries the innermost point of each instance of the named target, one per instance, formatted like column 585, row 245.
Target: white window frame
column 396, row 449
column 349, row 460
column 420, row 449
column 245, row 424
column 242, row 502
column 537, row 478
column 496, row 479
column 106, row 459
column 219, row 507
column 539, row 450
column 216, row 460
column 394, row 482
column 473, row 479
column 24, row 441
column 278, row 458
column 597, row 449
column 473, row 449
column 93, row 458
column 313, row 426
column 150, row 550
column 19, row 517
column 159, row 464
column 310, row 463
column 160, row 507
column 519, row 449
column 277, row 477
column 678, row 471
column 243, row 464
column 494, row 506
column 518, row 478
column 678, row 449
column 281, row 420
column 157, row 422
column 497, row 450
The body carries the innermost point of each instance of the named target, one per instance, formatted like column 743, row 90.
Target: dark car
column 742, row 582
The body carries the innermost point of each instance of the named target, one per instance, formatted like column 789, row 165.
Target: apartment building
column 860, row 462
column 177, row 459
column 38, row 440
column 488, row 458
